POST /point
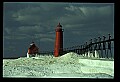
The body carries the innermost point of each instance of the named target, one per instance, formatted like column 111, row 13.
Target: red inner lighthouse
column 58, row 41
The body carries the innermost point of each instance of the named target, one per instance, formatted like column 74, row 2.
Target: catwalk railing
column 101, row 47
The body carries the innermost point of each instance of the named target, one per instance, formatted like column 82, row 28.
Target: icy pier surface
column 70, row 65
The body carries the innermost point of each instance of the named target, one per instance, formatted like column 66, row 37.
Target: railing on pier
column 100, row 47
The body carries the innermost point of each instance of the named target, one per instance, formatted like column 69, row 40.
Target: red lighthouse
column 58, row 41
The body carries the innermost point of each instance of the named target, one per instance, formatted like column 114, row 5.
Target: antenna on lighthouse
column 59, row 23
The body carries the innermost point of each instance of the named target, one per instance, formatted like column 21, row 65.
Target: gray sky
column 24, row 22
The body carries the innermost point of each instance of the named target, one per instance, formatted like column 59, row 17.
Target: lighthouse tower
column 58, row 41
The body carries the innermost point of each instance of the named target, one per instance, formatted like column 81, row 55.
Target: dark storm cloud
column 43, row 13
column 30, row 29
column 17, row 36
column 7, row 30
column 88, row 15
column 47, row 40
column 69, row 15
column 45, row 35
column 27, row 21
column 94, row 21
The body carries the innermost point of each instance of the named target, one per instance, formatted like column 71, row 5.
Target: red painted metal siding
column 58, row 42
column 33, row 49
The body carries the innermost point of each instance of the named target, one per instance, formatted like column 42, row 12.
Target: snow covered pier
column 70, row 65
